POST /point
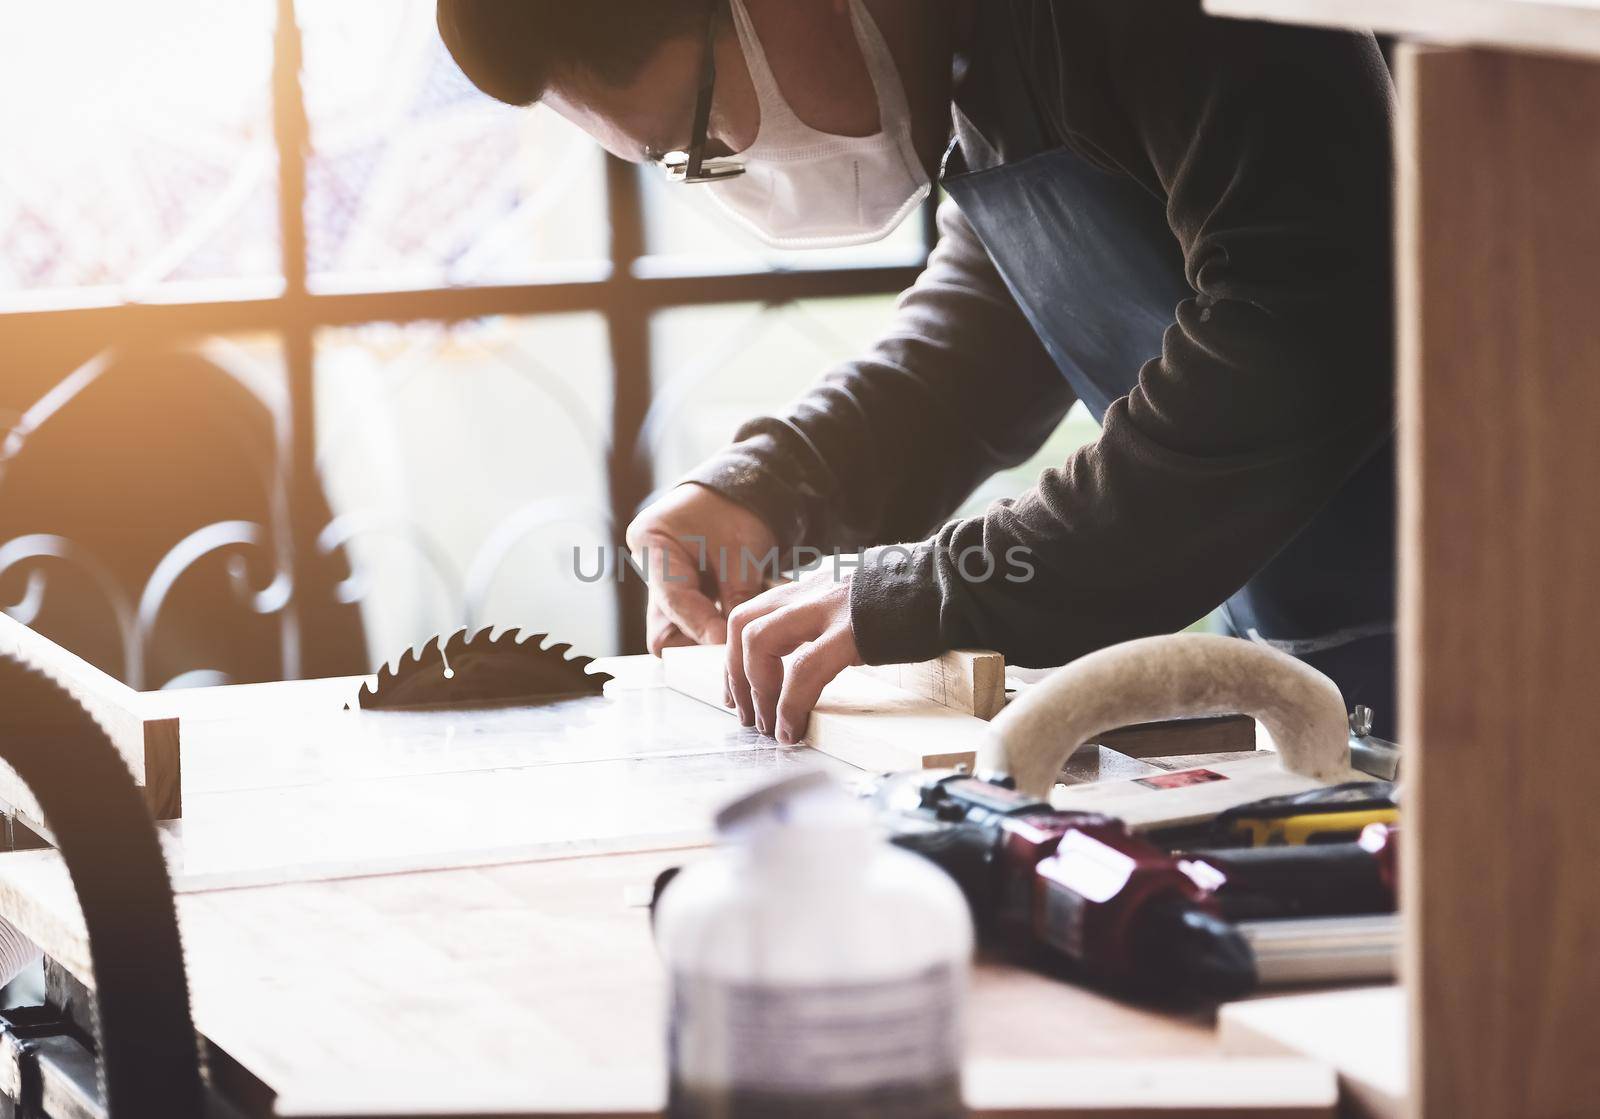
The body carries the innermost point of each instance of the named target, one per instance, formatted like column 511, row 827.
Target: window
column 305, row 338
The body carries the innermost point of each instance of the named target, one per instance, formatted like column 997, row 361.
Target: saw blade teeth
column 504, row 663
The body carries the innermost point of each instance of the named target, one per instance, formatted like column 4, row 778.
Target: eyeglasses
column 691, row 164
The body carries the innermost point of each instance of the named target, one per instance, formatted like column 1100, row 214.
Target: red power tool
column 1080, row 889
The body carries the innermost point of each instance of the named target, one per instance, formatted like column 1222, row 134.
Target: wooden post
column 1500, row 573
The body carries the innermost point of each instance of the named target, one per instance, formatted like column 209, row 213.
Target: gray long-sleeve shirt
column 1270, row 148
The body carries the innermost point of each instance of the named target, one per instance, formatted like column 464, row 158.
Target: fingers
column 660, row 631
column 784, row 647
column 738, row 583
column 767, row 641
column 674, row 577
column 739, row 621
column 812, row 668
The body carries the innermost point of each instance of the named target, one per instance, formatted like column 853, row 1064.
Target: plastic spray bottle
column 815, row 969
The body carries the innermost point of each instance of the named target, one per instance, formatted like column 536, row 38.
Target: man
column 1182, row 222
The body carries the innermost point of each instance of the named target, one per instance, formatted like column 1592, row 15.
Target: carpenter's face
column 654, row 113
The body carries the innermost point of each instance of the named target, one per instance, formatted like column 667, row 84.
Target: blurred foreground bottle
column 815, row 969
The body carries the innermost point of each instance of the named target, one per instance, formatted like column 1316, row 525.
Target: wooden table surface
column 435, row 914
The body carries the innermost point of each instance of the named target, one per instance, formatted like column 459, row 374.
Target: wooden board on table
column 859, row 720
column 537, row 986
column 1359, row 1033
column 972, row 681
column 1500, row 342
column 1136, row 1087
column 147, row 740
column 1551, row 26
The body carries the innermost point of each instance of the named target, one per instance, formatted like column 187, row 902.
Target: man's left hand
column 809, row 619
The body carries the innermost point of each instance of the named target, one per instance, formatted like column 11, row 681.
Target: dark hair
column 514, row 49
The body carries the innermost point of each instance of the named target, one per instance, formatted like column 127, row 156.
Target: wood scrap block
column 1360, row 1034
column 859, row 719
column 147, row 741
column 1215, row 735
column 972, row 681
column 1142, row 1087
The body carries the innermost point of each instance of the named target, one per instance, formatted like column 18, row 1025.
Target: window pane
column 687, row 232
column 138, row 145
column 1077, row 429
column 418, row 179
column 465, row 464
column 749, row 360
column 128, row 557
column 743, row 360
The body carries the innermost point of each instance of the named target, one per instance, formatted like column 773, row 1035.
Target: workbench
column 444, row 914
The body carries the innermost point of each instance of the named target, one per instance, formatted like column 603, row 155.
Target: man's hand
column 702, row 555
column 809, row 619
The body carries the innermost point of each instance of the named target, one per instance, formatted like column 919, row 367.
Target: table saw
column 444, row 913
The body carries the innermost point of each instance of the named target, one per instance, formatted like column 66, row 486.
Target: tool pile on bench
column 1177, row 873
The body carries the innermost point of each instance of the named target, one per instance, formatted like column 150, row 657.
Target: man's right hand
column 687, row 529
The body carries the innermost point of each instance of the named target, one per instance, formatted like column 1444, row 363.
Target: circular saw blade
column 482, row 670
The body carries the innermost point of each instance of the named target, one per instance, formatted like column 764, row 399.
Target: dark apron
column 1094, row 266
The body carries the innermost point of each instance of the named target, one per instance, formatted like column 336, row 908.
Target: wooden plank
column 1135, row 1088
column 1216, row 735
column 972, row 681
column 1549, row 26
column 147, row 740
column 859, row 719
column 1500, row 347
column 1360, row 1034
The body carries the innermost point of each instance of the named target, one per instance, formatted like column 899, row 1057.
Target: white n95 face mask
column 805, row 189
